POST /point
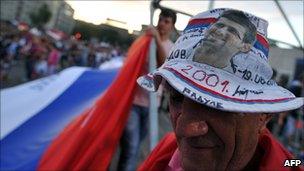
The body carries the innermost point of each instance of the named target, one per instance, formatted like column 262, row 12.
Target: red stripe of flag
column 262, row 41
column 202, row 21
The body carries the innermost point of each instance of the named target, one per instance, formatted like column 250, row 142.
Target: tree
column 41, row 17
column 104, row 32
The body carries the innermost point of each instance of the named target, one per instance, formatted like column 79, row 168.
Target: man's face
column 209, row 139
column 224, row 36
column 165, row 25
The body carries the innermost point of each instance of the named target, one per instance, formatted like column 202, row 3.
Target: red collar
column 274, row 154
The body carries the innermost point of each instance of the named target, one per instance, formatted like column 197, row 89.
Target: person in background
column 273, row 125
column 40, row 67
column 283, row 80
column 136, row 126
column 294, row 119
column 53, row 59
column 13, row 48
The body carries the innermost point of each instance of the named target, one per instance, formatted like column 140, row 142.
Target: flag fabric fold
column 161, row 154
column 33, row 114
column 88, row 143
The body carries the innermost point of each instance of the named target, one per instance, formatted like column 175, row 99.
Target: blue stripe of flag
column 259, row 46
column 23, row 148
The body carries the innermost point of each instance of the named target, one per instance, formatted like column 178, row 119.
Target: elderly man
column 221, row 97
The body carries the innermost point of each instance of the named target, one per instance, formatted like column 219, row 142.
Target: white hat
column 244, row 85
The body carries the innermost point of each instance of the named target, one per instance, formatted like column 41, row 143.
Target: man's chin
column 161, row 31
column 210, row 47
column 198, row 158
column 210, row 43
column 197, row 165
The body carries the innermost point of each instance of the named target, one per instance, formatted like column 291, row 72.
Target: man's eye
column 219, row 25
column 176, row 97
column 233, row 31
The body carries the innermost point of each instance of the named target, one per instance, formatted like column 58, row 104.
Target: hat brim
column 221, row 89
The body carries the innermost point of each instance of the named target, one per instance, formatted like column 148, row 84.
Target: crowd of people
column 288, row 126
column 41, row 54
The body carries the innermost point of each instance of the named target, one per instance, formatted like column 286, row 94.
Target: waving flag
column 34, row 113
column 89, row 142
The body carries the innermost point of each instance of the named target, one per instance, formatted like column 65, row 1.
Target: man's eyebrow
column 235, row 31
column 219, row 23
column 229, row 28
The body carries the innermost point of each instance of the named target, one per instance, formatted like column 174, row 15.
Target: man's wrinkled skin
column 210, row 139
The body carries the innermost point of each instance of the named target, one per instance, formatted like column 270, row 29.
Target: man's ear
column 245, row 47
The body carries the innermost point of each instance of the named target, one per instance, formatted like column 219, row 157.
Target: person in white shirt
column 136, row 126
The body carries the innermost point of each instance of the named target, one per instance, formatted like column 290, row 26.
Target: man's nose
column 191, row 128
column 161, row 23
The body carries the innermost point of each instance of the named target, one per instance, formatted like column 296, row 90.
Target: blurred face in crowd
column 165, row 25
column 211, row 139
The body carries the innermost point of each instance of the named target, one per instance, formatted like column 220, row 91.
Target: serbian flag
column 34, row 113
column 88, row 143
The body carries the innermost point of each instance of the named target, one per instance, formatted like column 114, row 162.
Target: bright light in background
column 136, row 13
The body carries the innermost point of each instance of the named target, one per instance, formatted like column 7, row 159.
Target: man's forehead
column 231, row 23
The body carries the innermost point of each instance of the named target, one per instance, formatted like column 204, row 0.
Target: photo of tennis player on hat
column 221, row 97
column 232, row 33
